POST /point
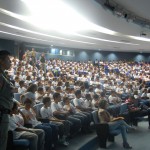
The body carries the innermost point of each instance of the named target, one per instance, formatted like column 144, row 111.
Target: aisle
column 78, row 141
column 139, row 139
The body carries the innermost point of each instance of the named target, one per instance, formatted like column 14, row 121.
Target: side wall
column 80, row 55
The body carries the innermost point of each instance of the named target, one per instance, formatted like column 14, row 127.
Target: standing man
column 6, row 98
column 43, row 61
column 33, row 56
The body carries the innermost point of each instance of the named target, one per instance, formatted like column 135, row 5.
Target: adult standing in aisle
column 6, row 98
column 43, row 61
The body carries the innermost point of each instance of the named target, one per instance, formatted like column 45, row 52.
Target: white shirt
column 56, row 107
column 79, row 102
column 46, row 113
column 148, row 95
column 70, row 107
column 87, row 103
column 13, row 125
column 32, row 117
column 37, row 95
column 22, row 90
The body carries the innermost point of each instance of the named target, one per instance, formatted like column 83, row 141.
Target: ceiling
column 17, row 29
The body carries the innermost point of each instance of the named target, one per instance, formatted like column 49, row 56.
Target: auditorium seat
column 102, row 131
column 17, row 96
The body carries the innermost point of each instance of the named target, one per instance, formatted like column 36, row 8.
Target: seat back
column 17, row 143
column 37, row 109
column 21, row 143
column 17, row 96
column 95, row 116
column 123, row 108
column 71, row 101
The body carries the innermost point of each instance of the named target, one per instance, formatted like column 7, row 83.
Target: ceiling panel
column 89, row 39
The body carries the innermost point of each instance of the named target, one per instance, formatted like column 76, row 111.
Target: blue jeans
column 76, row 123
column 48, row 134
column 120, row 125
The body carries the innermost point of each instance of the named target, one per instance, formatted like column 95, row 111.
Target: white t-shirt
column 46, row 113
column 87, row 103
column 70, row 107
column 56, row 107
column 37, row 95
column 93, row 103
column 22, row 90
column 112, row 99
column 13, row 125
column 79, row 102
column 32, row 117
column 148, row 95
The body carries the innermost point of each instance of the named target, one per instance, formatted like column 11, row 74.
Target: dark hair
column 3, row 54
column 77, row 92
column 58, row 88
column 87, row 95
column 65, row 99
column 40, row 88
column 95, row 96
column 102, row 94
column 28, row 77
column 56, row 95
column 131, row 97
column 47, row 88
column 102, row 104
column 15, row 105
column 31, row 88
column 21, row 82
column 28, row 101
column 46, row 99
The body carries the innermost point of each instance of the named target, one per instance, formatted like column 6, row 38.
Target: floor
column 138, row 139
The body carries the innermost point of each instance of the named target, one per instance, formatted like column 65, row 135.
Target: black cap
column 4, row 52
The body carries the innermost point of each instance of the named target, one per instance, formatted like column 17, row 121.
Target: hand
column 30, row 130
column 27, row 117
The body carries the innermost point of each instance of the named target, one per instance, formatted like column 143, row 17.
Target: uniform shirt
column 93, row 103
column 6, row 94
column 70, row 107
column 56, row 107
column 14, row 123
column 37, row 95
column 79, row 102
column 46, row 113
column 22, row 90
column 87, row 103
column 32, row 117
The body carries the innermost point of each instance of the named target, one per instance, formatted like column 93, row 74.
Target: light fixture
column 42, row 34
column 56, row 15
column 140, row 38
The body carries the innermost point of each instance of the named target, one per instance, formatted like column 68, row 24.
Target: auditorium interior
column 80, row 71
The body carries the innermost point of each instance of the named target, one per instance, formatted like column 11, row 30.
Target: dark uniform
column 6, row 102
column 43, row 65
